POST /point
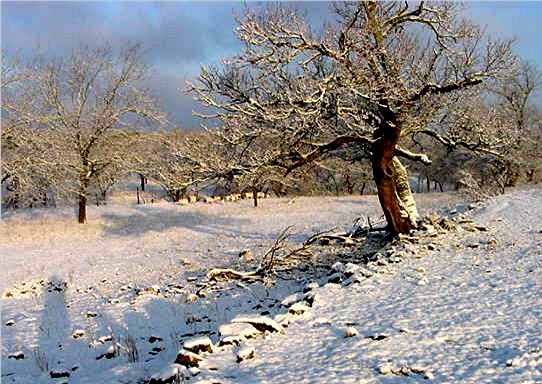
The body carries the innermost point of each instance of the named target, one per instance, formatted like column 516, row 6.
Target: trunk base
column 395, row 196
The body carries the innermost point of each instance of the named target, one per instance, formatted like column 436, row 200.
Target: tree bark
column 83, row 197
column 391, row 180
column 143, row 181
column 395, row 196
column 349, row 184
column 530, row 175
column 174, row 194
column 255, row 195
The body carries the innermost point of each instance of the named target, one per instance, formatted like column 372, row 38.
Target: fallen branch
column 217, row 273
column 345, row 237
column 362, row 232
column 317, row 236
column 268, row 261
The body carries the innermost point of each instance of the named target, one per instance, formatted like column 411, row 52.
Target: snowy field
column 107, row 302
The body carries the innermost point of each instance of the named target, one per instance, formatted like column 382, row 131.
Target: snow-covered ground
column 461, row 307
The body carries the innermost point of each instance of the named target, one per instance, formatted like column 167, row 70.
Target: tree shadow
column 54, row 344
column 157, row 219
column 363, row 200
column 17, row 328
column 160, row 325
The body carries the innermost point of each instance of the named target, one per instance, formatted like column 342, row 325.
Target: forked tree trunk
column 391, row 180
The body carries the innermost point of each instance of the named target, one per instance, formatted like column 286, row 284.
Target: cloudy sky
column 179, row 36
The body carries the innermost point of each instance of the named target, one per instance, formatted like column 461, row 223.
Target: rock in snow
column 354, row 279
column 246, row 353
column 153, row 289
column 365, row 272
column 283, row 319
column 310, row 297
column 192, row 297
column 91, row 314
column 336, row 278
column 261, row 323
column 78, row 333
column 170, row 374
column 187, row 358
column 246, row 255
column 385, row 369
column 200, row 344
column 234, row 333
column 292, row 299
column 58, row 373
column 338, row 267
column 310, row 286
column 351, row 332
column 154, row 339
column 298, row 309
column 16, row 355
column 350, row 269
column 110, row 353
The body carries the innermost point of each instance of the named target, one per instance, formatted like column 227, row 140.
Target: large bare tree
column 383, row 72
column 87, row 103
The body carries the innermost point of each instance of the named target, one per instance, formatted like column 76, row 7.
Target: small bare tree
column 179, row 160
column 164, row 158
column 87, row 102
column 383, row 72
column 251, row 159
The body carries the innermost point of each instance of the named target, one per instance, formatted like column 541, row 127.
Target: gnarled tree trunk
column 391, row 180
column 395, row 196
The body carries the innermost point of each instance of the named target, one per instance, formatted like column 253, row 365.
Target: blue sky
column 179, row 36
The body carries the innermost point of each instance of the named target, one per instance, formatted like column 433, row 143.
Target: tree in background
column 383, row 72
column 27, row 171
column 513, row 124
column 515, row 98
column 164, row 158
column 86, row 104
column 183, row 161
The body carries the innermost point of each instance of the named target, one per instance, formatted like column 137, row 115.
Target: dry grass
column 26, row 226
column 52, row 226
column 40, row 225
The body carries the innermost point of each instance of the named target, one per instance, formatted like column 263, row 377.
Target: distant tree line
column 342, row 110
